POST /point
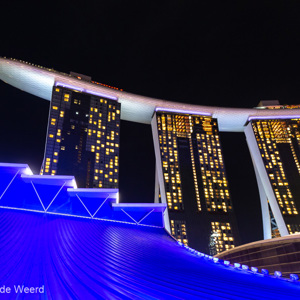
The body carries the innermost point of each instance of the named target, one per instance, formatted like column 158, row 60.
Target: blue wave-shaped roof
column 60, row 242
column 77, row 258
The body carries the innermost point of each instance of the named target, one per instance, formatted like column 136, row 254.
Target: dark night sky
column 227, row 53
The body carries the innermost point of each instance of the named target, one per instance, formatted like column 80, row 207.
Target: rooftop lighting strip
column 113, row 193
column 76, row 88
column 69, row 86
column 101, row 95
column 183, row 111
column 274, row 117
column 48, row 177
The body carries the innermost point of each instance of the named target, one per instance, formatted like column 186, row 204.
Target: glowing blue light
column 216, row 260
column 237, row 265
column 245, row 267
column 226, row 262
column 277, row 274
column 294, row 277
column 264, row 271
column 254, row 270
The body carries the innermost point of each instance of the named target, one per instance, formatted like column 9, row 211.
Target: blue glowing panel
column 46, row 192
column 105, row 210
column 5, row 179
column 137, row 215
column 63, row 203
column 93, row 204
column 122, row 217
column 68, row 206
column 153, row 219
column 150, row 214
column 8, row 173
column 21, row 195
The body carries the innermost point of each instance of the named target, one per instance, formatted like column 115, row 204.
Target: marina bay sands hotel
column 83, row 140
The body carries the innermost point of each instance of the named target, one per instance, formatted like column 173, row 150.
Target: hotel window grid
column 203, row 132
column 178, row 230
column 222, row 236
column 97, row 133
column 293, row 228
column 268, row 134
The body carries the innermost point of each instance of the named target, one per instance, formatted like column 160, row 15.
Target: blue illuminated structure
column 69, row 243
column 20, row 189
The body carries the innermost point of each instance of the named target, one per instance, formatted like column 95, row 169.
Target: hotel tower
column 83, row 137
column 274, row 144
column 192, row 181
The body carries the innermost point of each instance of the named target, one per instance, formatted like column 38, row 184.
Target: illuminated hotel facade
column 192, row 181
column 274, row 145
column 83, row 138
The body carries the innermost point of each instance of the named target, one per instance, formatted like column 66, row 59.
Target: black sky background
column 217, row 53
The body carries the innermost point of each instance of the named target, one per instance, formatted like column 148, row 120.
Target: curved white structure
column 39, row 81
